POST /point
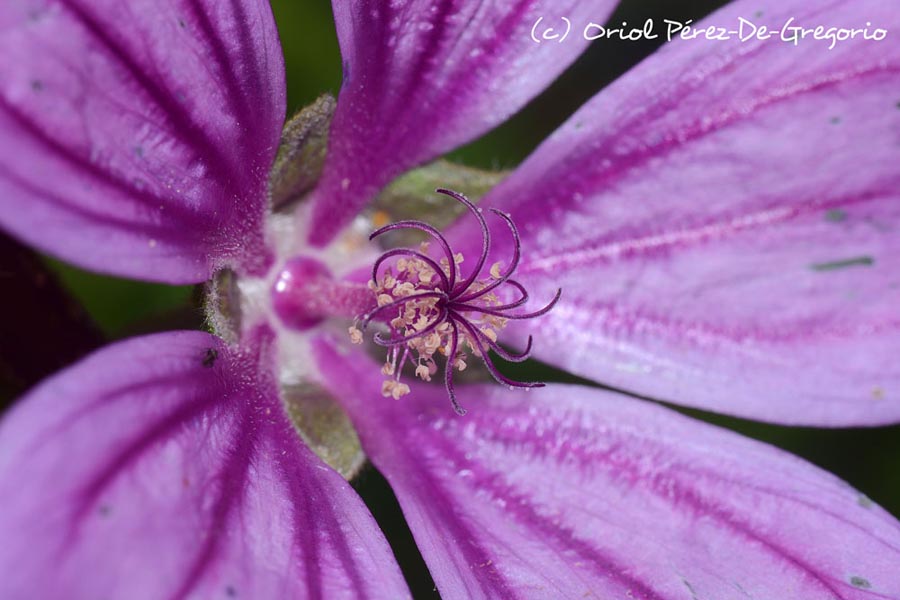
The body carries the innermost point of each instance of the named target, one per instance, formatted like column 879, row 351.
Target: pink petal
column 136, row 137
column 723, row 222
column 423, row 77
column 164, row 467
column 573, row 492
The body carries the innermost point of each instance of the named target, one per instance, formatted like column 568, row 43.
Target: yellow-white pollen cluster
column 428, row 317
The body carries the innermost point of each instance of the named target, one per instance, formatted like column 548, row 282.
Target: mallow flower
column 722, row 221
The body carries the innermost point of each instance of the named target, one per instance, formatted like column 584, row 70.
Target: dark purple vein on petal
column 705, row 508
column 425, row 56
column 83, row 163
column 231, row 491
column 504, row 33
column 261, row 80
column 158, row 231
column 199, row 138
column 130, row 454
column 312, row 516
column 234, row 94
column 445, row 513
column 369, row 59
column 186, row 380
column 689, row 81
column 663, row 487
column 523, row 510
column 475, row 555
column 618, row 247
column 613, row 319
column 638, row 158
column 305, row 525
column 687, row 470
column 307, row 520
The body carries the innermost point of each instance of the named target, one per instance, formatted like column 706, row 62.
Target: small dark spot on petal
column 835, row 120
column 758, row 14
column 139, row 151
column 860, row 582
column 345, row 77
column 37, row 85
column 835, row 215
column 181, row 23
column 104, row 510
column 230, row 591
column 864, row 501
column 209, row 359
column 858, row 261
column 579, row 124
column 690, row 588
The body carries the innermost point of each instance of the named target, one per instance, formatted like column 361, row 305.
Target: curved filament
column 485, row 242
column 432, row 231
column 407, row 252
column 504, row 354
column 500, row 313
column 497, row 375
column 513, row 265
column 448, row 369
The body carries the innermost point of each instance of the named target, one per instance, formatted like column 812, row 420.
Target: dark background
column 52, row 313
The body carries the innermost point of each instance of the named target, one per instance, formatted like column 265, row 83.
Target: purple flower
column 722, row 222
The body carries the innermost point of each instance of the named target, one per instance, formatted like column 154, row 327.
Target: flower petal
column 723, row 223
column 136, row 137
column 573, row 492
column 165, row 467
column 423, row 77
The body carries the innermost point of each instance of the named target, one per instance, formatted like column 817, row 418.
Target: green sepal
column 301, row 154
column 412, row 195
column 325, row 427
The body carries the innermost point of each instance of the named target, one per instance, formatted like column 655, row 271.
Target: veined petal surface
column 136, row 137
column 164, row 467
column 422, row 77
column 574, row 492
column 724, row 222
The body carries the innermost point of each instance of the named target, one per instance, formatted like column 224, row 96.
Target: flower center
column 431, row 309
column 305, row 293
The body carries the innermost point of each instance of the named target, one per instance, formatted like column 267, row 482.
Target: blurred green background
column 869, row 459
